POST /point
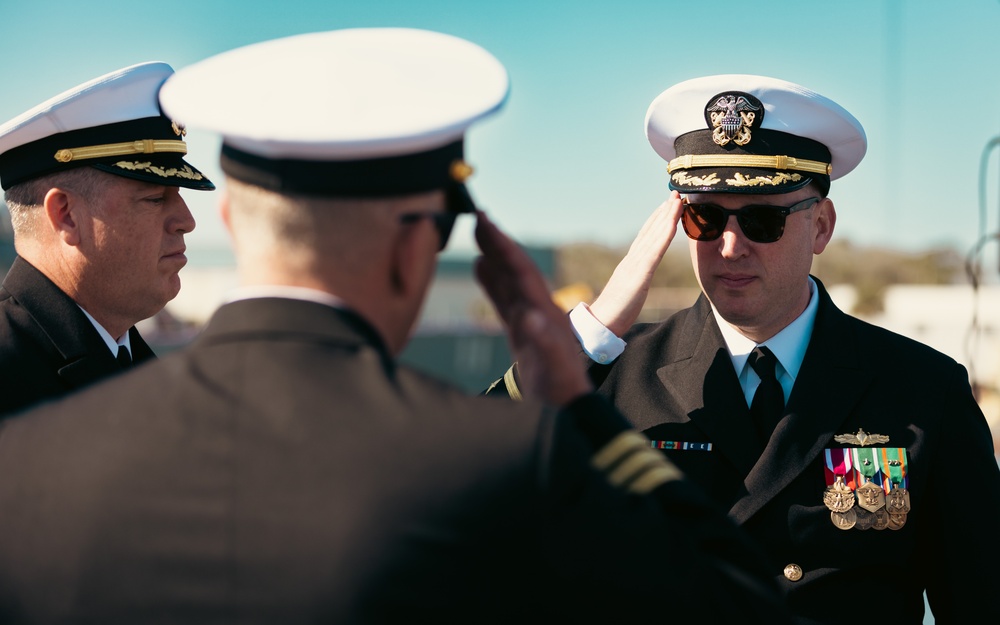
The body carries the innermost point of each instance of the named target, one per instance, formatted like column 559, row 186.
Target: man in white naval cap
column 92, row 181
column 285, row 468
column 857, row 458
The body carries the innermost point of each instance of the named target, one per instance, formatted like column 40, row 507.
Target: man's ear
column 404, row 260
column 63, row 214
column 412, row 260
column 826, row 220
column 225, row 214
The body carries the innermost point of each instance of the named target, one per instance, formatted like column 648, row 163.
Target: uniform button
column 793, row 572
column 602, row 358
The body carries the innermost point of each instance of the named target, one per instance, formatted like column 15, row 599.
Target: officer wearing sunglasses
column 863, row 423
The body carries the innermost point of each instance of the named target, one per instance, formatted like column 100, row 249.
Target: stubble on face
column 759, row 288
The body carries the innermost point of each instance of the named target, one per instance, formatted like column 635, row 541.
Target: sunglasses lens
column 763, row 224
column 703, row 222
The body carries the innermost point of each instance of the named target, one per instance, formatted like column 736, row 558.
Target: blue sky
column 567, row 158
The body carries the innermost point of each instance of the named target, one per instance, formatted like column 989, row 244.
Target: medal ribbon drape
column 893, row 461
column 838, row 462
column 869, row 492
column 866, row 465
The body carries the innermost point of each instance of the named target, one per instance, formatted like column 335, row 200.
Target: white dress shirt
column 108, row 339
column 789, row 345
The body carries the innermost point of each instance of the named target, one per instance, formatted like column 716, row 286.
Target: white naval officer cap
column 740, row 133
column 364, row 112
column 112, row 122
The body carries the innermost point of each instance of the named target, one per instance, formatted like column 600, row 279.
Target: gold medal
column 871, row 497
column 839, row 497
column 898, row 500
column 881, row 519
column 844, row 520
column 865, row 519
column 893, row 462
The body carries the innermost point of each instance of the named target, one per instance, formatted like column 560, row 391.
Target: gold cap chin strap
column 142, row 146
column 748, row 160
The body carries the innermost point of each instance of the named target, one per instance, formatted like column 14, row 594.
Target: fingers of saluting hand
column 622, row 299
column 656, row 234
column 538, row 332
column 506, row 271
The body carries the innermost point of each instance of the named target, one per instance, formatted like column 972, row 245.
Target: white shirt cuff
column 597, row 341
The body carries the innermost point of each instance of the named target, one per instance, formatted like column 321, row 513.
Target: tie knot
column 124, row 357
column 763, row 362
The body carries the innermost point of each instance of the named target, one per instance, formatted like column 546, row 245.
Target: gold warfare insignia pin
column 732, row 116
column 861, row 438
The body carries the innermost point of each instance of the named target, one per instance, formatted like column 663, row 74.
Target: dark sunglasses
column 457, row 202
column 443, row 223
column 761, row 223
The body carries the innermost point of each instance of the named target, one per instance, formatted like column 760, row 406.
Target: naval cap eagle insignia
column 732, row 116
column 861, row 438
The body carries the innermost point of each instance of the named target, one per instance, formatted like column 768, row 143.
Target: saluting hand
column 622, row 299
column 538, row 332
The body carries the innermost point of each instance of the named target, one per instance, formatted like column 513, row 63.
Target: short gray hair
column 25, row 197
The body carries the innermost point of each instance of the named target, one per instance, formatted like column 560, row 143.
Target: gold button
column 793, row 572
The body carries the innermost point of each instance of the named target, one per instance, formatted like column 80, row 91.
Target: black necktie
column 769, row 400
column 124, row 358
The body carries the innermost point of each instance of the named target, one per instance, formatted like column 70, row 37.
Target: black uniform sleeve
column 622, row 514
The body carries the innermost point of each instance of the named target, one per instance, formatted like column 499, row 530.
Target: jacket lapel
column 86, row 357
column 90, row 361
column 141, row 351
column 705, row 385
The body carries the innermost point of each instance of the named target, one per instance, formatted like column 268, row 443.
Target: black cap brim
column 149, row 149
column 163, row 171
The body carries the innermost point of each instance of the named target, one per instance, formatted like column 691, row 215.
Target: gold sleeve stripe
column 142, row 146
column 635, row 464
column 649, row 480
column 688, row 161
column 619, row 447
column 511, row 381
column 630, row 462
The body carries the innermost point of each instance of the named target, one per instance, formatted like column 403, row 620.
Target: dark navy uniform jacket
column 284, row 469
column 675, row 382
column 48, row 347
